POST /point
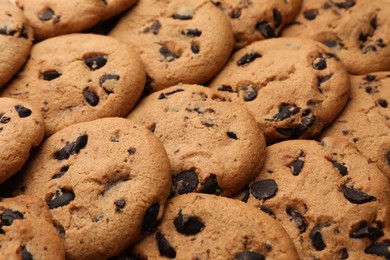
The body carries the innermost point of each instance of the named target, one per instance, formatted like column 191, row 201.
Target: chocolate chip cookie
column 180, row 41
column 294, row 87
column 79, row 77
column 331, row 200
column 52, row 18
column 15, row 40
column 201, row 226
column 21, row 129
column 365, row 120
column 254, row 20
column 357, row 30
column 105, row 182
column 27, row 230
column 214, row 145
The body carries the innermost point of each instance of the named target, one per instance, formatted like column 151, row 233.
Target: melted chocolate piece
column 264, row 189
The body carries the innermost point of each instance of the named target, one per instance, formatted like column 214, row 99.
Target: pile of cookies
column 195, row 129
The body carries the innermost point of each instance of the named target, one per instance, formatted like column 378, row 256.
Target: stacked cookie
column 194, row 129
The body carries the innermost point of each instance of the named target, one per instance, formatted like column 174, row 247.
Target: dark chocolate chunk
column 368, row 89
column 310, row 14
column 9, row 215
column 235, row 13
column 297, row 166
column 120, row 204
column 181, row 16
column 246, row 195
column 248, row 255
column 164, row 247
column 72, row 148
column 374, row 23
column 188, row 225
column 50, row 75
column 380, row 43
column 265, row 29
column 305, row 124
column 369, row 48
column 106, row 77
column 60, row 230
column 185, row 182
column 324, row 79
column 232, row 135
column 61, row 173
column 250, row 92
column 319, row 63
column 382, row 103
column 91, row 97
column 356, row 196
column 365, row 230
column 379, row 249
column 344, row 254
column 298, row 218
column 132, row 151
column 46, row 14
column 211, row 185
column 363, row 37
column 61, row 198
column 370, row 78
column 195, row 48
column 26, row 255
column 267, row 210
column 95, row 61
column 225, row 88
column 277, row 18
column 150, row 221
column 248, row 58
column 286, row 111
column 346, row 4
column 316, row 239
column 264, row 189
column 23, row 111
column 340, row 167
column 192, row 32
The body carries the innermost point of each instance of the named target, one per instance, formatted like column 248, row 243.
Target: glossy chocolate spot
column 310, row 14
column 120, row 204
column 23, row 111
column 61, row 198
column 46, row 14
column 249, row 93
column 195, row 48
column 50, row 75
column 91, row 97
column 265, row 29
column 192, row 32
column 379, row 249
column 188, row 225
column 346, row 4
column 382, row 103
column 107, row 77
column 96, row 61
column 356, row 196
column 225, row 88
column 316, row 239
column 72, row 148
column 164, row 247
column 26, row 255
column 344, row 254
column 248, row 58
column 264, row 189
column 185, row 182
column 340, row 167
column 248, row 255
column 211, row 185
column 232, row 135
column 365, row 230
column 319, row 63
column 286, row 111
column 297, row 166
column 150, row 221
column 298, row 218
column 61, row 173
column 277, row 18
column 8, row 216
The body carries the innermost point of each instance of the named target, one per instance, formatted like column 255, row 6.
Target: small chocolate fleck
column 379, row 249
column 277, row 18
column 368, row 89
column 340, row 167
column 356, row 196
column 156, row 26
column 167, row 54
column 61, row 173
column 60, row 230
column 265, row 29
column 106, row 77
column 370, row 78
column 225, row 88
column 248, row 58
column 248, row 255
column 310, row 14
column 264, row 189
column 72, row 148
column 26, row 255
column 150, row 221
column 95, row 61
column 365, row 230
column 369, row 48
column 267, row 210
column 374, row 23
column 388, row 157
column 195, row 48
column 164, row 247
column 132, row 151
column 235, row 13
column 185, row 182
column 250, row 93
column 50, row 75
column 316, row 238
column 380, row 43
column 382, row 103
column 344, row 254
column 232, row 135
column 192, row 32
column 120, row 204
column 188, row 225
column 164, row 95
column 46, row 14
column 319, row 63
column 298, row 218
column 346, row 4
column 91, row 97
column 23, row 111
column 61, row 198
column 211, row 185
column 181, row 17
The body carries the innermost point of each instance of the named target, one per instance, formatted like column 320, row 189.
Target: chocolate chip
column 46, row 14
column 298, row 218
column 23, row 111
column 363, row 37
column 188, row 225
column 330, row 44
column 265, row 29
column 310, row 14
column 356, row 196
column 370, row 232
column 72, row 148
column 388, row 157
column 373, row 23
column 150, row 221
column 235, row 13
column 106, row 77
column 207, row 123
column 60, row 230
column 250, row 93
column 248, row 255
column 299, row 130
column 211, row 185
column 91, row 97
column 185, row 182
column 344, row 254
column 277, row 18
column 246, row 195
column 167, row 54
column 148, row 88
column 61, row 198
column 370, row 78
column 232, row 135
column 156, row 26
column 164, row 247
column 316, row 239
column 264, row 189
column 50, row 75
column 369, row 48
column 181, row 16
column 297, row 166
column 9, row 215
column 382, row 103
column 192, row 32
column 61, row 173
column 120, row 204
column 340, row 167
column 368, row 89
column 286, row 111
column 319, row 63
column 26, row 255
column 267, row 211
column 95, row 61
column 324, row 79
column 195, row 48
column 225, row 88
column 379, row 249
column 4, row 119
column 345, row 5
column 331, row 56
column 164, row 95
column 248, row 58
column 380, row 43
column 132, row 151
